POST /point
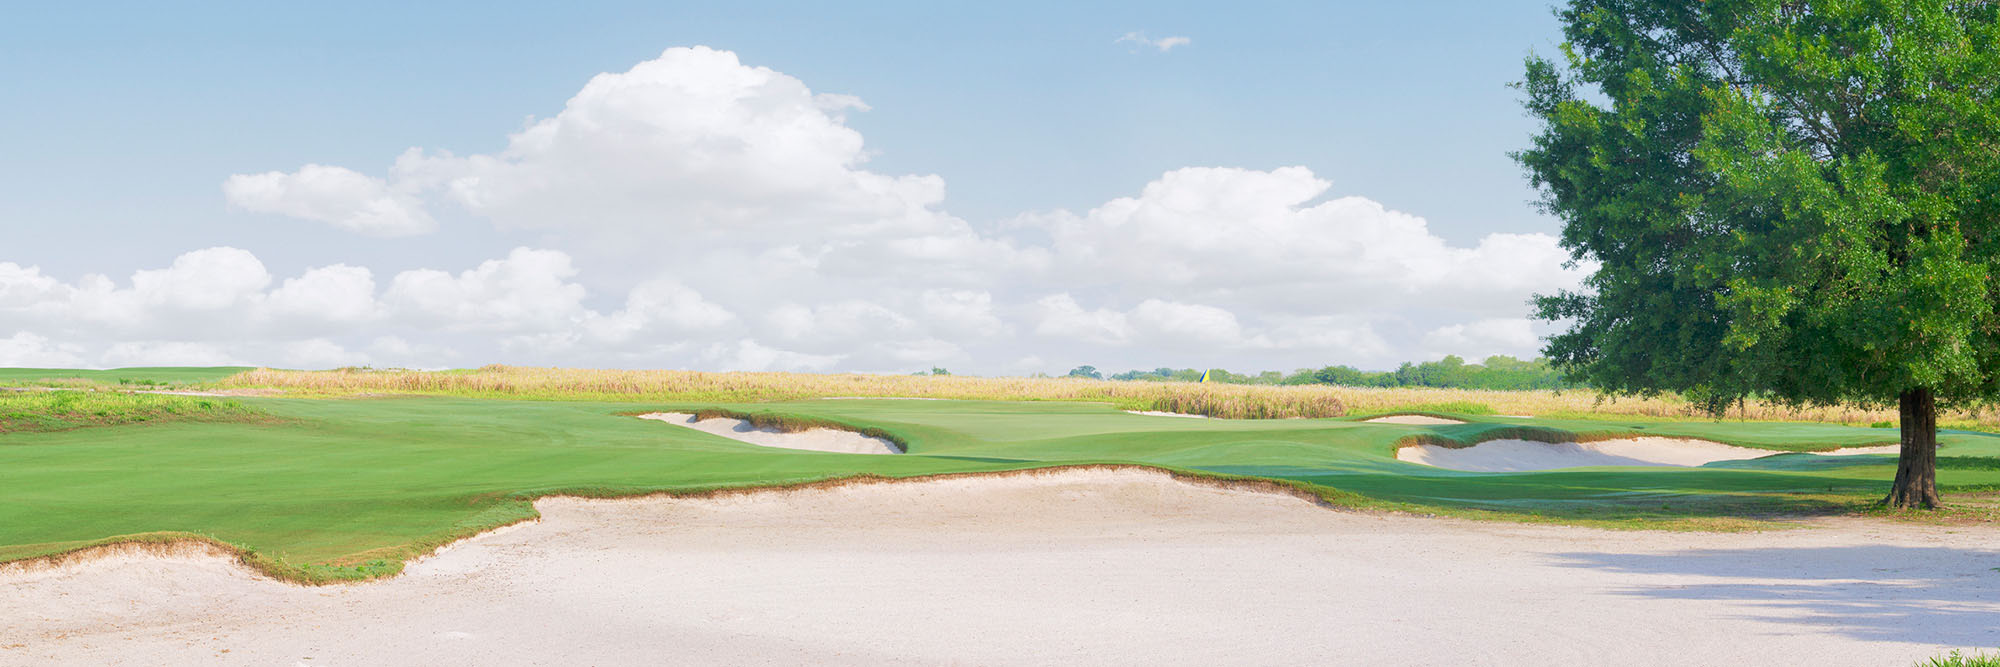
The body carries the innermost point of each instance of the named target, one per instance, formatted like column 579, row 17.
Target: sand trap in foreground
column 818, row 439
column 1523, row 455
column 1413, row 420
column 1097, row 566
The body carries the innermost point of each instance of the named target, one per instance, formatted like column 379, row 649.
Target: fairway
column 351, row 488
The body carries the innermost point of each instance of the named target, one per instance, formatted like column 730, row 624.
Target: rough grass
column 62, row 410
column 1214, row 400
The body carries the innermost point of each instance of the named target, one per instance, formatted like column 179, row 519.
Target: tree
column 1782, row 198
column 1086, row 372
column 1345, row 375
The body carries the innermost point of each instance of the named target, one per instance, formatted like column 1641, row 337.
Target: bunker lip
column 1413, row 420
column 192, row 547
column 1516, row 455
column 1157, row 413
column 817, row 438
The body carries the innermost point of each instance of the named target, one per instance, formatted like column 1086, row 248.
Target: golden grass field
column 1215, row 400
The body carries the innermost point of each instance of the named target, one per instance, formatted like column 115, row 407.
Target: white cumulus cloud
column 1060, row 316
column 693, row 142
column 695, row 210
column 337, row 196
column 1187, row 321
column 1483, row 338
column 749, row 355
column 527, row 290
column 31, row 350
column 1229, row 235
column 337, row 293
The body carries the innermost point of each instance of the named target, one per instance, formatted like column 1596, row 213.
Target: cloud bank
column 698, row 212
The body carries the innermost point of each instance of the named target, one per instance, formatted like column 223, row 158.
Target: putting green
column 349, row 488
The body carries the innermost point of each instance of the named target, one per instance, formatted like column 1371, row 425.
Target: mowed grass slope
column 337, row 489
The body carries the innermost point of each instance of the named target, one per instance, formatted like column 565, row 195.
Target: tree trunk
column 1916, row 472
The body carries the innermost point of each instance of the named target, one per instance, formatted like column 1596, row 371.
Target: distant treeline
column 1496, row 372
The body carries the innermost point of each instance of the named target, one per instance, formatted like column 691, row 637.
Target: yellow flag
column 1204, row 375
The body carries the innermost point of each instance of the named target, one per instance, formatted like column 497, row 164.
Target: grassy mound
column 61, row 410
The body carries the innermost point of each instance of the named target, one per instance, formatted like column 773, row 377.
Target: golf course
column 333, row 488
column 134, row 501
column 1654, row 332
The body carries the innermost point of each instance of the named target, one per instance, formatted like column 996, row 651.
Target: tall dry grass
column 1215, row 400
column 1238, row 401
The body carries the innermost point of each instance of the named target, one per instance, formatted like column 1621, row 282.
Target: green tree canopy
column 1085, row 372
column 1781, row 197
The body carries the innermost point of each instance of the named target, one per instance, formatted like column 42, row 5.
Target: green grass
column 1957, row 659
column 319, row 490
column 35, row 411
column 129, row 377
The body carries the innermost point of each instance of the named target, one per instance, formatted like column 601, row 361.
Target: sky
column 999, row 189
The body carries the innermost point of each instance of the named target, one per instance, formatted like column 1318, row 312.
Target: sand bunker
column 1156, row 413
column 1413, row 420
column 1524, row 455
column 818, row 439
column 1116, row 567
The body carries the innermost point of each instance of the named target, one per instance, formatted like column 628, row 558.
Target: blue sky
column 125, row 119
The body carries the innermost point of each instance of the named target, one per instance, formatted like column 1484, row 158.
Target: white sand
column 1156, row 413
column 1099, row 567
column 1522, row 455
column 818, row 439
column 1413, row 420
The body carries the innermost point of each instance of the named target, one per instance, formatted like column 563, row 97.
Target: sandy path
column 1117, row 567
